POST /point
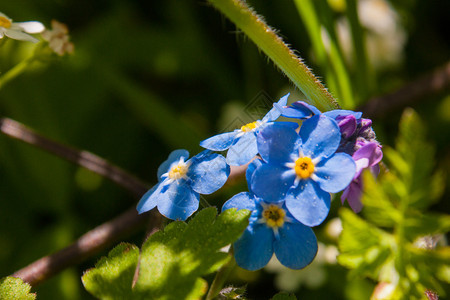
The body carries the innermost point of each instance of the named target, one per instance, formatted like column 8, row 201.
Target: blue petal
column 178, row 201
column 173, row 157
column 320, row 136
column 296, row 247
column 219, row 142
column 300, row 110
column 242, row 200
column 341, row 112
column 254, row 248
column 250, row 170
column 243, row 150
column 275, row 112
column 271, row 182
column 150, row 199
column 276, row 142
column 336, row 173
column 308, row 203
column 208, row 172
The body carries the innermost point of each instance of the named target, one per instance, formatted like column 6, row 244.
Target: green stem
column 364, row 76
column 309, row 17
column 336, row 55
column 204, row 202
column 221, row 277
column 16, row 70
column 274, row 47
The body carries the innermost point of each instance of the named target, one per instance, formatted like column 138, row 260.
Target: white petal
column 31, row 27
column 18, row 35
column 4, row 16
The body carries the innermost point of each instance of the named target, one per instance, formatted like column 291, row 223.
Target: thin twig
column 431, row 83
column 85, row 159
column 86, row 246
column 102, row 236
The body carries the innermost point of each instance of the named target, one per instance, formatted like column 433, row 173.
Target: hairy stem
column 221, row 277
column 274, row 47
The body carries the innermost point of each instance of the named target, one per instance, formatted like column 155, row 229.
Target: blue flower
column 180, row 182
column 271, row 229
column 242, row 142
column 302, row 169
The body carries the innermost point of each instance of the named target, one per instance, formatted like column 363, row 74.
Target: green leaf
column 363, row 246
column 284, row 296
column 414, row 161
column 113, row 275
column 15, row 288
column 173, row 260
column 418, row 224
column 378, row 207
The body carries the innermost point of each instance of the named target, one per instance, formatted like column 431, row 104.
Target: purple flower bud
column 347, row 125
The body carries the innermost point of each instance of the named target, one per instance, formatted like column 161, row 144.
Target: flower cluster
column 289, row 179
column 357, row 139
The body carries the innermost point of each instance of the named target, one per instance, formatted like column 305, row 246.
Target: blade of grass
column 336, row 55
column 365, row 80
column 274, row 47
column 310, row 19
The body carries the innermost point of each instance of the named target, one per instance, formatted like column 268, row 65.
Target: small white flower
column 16, row 30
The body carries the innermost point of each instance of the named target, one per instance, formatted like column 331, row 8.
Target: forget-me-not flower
column 16, row 30
column 176, row 195
column 241, row 143
column 357, row 139
column 272, row 229
column 302, row 168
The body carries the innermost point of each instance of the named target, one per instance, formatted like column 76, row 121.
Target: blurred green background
column 148, row 77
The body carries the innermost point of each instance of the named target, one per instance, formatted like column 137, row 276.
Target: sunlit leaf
column 172, row 260
column 112, row 276
column 179, row 255
column 15, row 288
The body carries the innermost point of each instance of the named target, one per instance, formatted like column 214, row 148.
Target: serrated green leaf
column 15, row 288
column 284, row 296
column 426, row 266
column 418, row 155
column 173, row 260
column 378, row 207
column 418, row 224
column 113, row 275
column 363, row 247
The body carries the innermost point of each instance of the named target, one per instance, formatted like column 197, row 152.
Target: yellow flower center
column 274, row 216
column 249, row 127
column 304, row 167
column 4, row 22
column 178, row 171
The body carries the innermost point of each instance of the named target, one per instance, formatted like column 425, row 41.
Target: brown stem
column 83, row 158
column 434, row 82
column 102, row 236
column 86, row 246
